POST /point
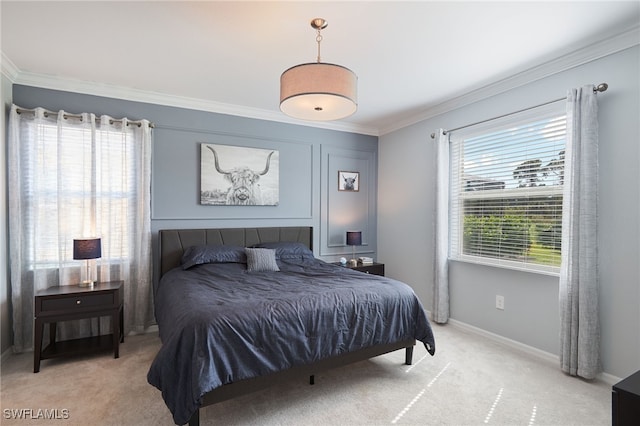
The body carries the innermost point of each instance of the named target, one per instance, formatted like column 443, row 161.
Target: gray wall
column 531, row 315
column 309, row 162
column 5, row 323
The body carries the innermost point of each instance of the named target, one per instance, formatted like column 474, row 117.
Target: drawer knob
column 78, row 302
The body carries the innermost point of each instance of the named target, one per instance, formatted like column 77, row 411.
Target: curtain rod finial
column 602, row 87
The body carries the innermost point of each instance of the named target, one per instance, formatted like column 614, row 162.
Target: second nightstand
column 373, row 268
column 72, row 303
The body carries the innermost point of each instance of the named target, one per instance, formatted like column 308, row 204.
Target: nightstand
column 374, row 268
column 71, row 302
column 625, row 401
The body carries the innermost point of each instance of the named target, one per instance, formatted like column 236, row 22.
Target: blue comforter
column 220, row 324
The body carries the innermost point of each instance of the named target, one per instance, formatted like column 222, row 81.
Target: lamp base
column 353, row 262
column 86, row 283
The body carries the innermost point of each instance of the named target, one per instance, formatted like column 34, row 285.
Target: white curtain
column 441, row 267
column 75, row 177
column 579, row 312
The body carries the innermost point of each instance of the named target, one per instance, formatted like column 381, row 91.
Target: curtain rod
column 68, row 115
column 602, row 87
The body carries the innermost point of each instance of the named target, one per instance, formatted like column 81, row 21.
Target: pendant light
column 318, row 91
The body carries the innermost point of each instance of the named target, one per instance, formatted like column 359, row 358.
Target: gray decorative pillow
column 261, row 259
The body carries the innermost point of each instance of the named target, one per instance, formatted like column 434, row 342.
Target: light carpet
column 470, row 381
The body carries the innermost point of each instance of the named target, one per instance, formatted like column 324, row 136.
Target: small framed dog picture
column 348, row 181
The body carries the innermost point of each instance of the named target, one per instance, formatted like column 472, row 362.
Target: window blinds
column 506, row 184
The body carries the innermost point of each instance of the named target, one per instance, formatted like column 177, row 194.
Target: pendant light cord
column 319, row 39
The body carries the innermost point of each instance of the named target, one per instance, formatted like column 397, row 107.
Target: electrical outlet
column 500, row 302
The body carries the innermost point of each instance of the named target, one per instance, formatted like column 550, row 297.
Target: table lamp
column 354, row 238
column 85, row 249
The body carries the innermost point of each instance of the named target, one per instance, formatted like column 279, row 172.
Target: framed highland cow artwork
column 239, row 176
column 348, row 181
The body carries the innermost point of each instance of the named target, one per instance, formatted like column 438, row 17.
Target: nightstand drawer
column 77, row 302
column 375, row 269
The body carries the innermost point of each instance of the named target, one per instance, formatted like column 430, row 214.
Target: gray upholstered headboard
column 173, row 242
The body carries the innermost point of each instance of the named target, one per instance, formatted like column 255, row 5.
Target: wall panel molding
column 345, row 210
column 176, row 190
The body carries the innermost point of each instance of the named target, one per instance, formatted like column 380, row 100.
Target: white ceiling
column 228, row 56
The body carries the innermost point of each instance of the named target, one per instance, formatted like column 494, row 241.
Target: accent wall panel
column 351, row 209
column 176, row 191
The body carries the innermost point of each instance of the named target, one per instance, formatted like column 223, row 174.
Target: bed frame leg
column 312, row 379
column 408, row 358
column 195, row 418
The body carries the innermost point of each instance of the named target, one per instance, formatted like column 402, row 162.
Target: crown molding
column 137, row 95
column 569, row 59
column 8, row 68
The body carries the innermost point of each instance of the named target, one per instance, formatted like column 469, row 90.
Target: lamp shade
column 89, row 248
column 318, row 91
column 354, row 238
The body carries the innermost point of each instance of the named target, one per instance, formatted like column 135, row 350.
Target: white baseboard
column 609, row 379
column 6, row 354
column 544, row 355
column 151, row 329
column 547, row 356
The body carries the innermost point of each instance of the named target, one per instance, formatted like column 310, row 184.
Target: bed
column 241, row 309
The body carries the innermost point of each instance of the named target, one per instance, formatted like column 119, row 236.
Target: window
column 506, row 192
column 76, row 176
column 85, row 184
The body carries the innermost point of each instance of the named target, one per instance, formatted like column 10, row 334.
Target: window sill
column 553, row 271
